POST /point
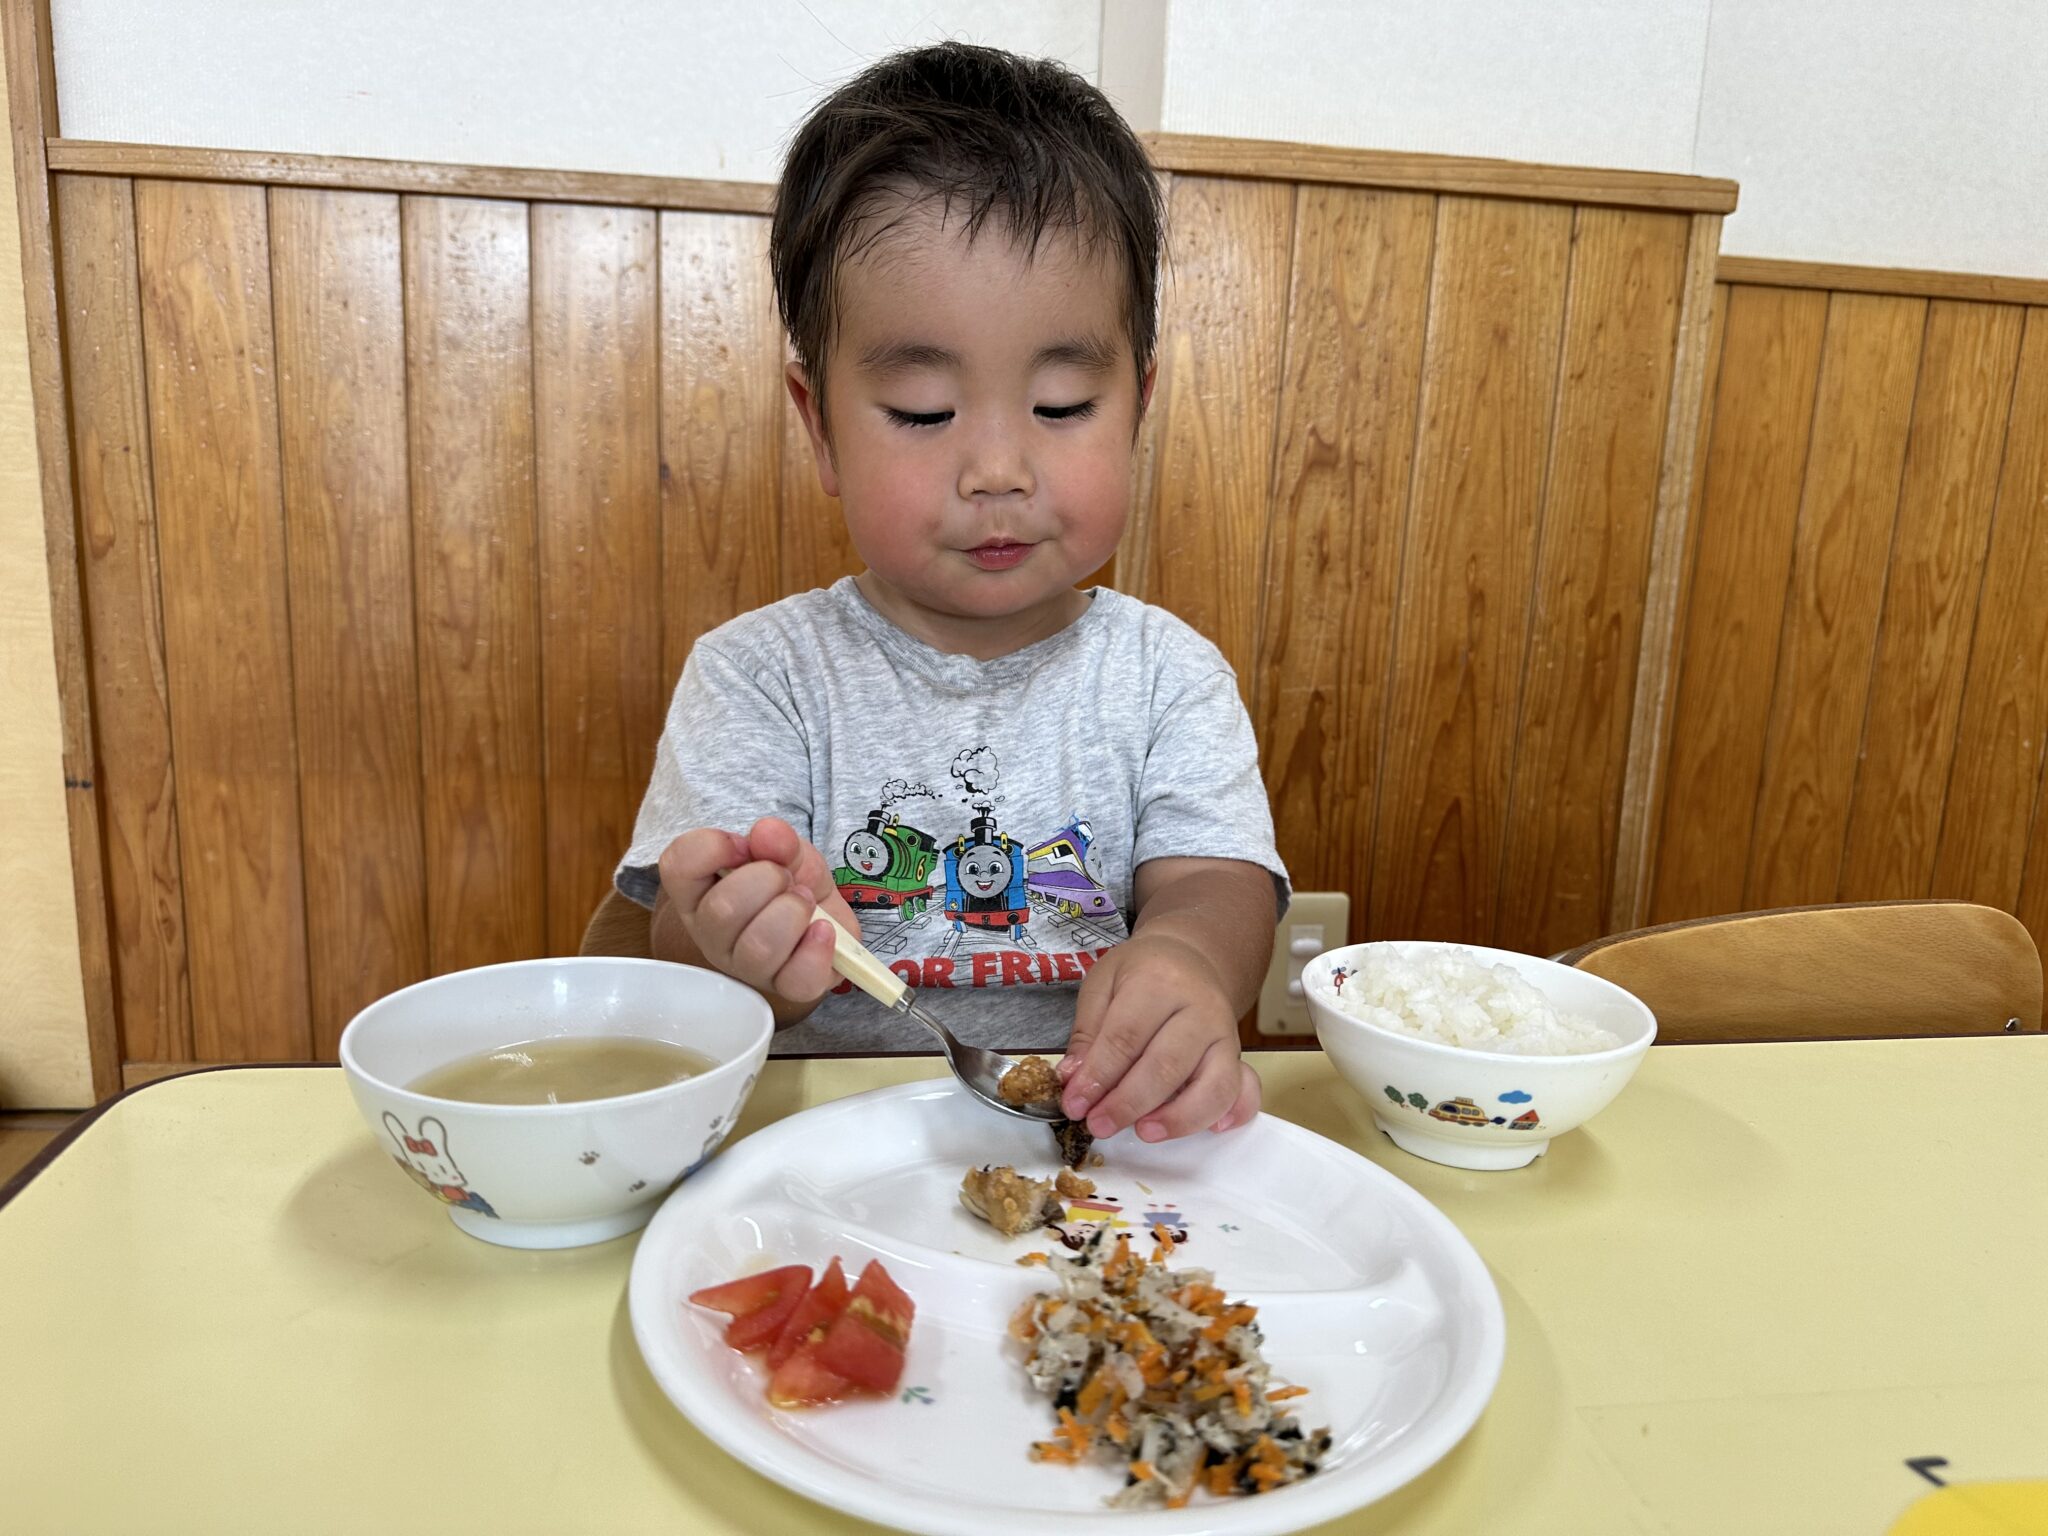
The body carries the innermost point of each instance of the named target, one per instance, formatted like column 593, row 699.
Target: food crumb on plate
column 1009, row 1201
column 1075, row 1142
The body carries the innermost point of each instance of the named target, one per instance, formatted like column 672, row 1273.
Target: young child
column 976, row 766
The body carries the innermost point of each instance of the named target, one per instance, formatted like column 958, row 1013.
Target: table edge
column 59, row 1143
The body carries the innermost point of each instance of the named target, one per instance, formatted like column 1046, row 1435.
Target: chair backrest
column 1860, row 970
column 619, row 926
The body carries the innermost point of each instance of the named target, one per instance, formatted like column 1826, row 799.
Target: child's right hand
column 746, row 903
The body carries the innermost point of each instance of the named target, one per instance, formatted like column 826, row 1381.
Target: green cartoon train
column 888, row 867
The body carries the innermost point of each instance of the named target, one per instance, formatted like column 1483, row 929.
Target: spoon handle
column 858, row 964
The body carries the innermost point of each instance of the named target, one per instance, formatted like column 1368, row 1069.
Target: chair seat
column 619, row 926
column 1858, row 970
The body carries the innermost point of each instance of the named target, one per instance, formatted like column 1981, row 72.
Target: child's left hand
column 1155, row 1045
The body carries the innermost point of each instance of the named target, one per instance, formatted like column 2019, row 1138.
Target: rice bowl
column 1449, row 995
column 1400, row 1038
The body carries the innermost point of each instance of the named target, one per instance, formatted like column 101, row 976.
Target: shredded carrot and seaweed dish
column 1156, row 1370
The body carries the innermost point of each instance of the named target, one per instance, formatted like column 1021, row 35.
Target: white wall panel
column 1574, row 82
column 661, row 87
column 1889, row 133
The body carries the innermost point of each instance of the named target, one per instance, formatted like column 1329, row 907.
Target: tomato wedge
column 759, row 1305
column 891, row 1305
column 865, row 1343
column 760, row 1329
column 803, row 1379
column 861, row 1353
column 813, row 1315
column 824, row 1341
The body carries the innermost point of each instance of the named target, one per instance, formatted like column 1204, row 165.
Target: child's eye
column 1067, row 412
column 917, row 418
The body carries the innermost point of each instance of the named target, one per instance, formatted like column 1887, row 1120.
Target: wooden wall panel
column 722, row 410
column 117, row 546
column 1673, row 552
column 469, row 377
column 1416, row 464
column 597, row 456
column 1496, row 314
column 1930, row 601
column 1869, row 365
column 1993, row 790
column 1196, row 544
column 355, row 676
column 1599, row 508
column 1345, row 445
column 1755, row 467
column 206, row 321
column 1907, row 710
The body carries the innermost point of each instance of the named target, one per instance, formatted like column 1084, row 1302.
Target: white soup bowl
column 555, row 1175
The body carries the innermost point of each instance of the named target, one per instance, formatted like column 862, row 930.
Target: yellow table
column 1742, row 1300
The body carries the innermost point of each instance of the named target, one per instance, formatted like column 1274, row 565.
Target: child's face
column 983, row 406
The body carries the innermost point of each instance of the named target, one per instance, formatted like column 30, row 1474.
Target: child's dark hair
column 985, row 134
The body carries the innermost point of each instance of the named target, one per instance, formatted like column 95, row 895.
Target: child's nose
column 996, row 464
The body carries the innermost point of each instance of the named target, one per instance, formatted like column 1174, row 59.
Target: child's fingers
column 775, row 840
column 1206, row 1095
column 733, row 903
column 1085, row 1077
column 815, row 876
column 691, row 864
column 1246, row 1108
column 765, row 945
column 836, row 908
column 808, row 973
column 1167, row 1061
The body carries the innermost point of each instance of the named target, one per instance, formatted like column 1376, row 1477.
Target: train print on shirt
column 950, row 896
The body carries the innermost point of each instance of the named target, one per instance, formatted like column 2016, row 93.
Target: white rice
column 1453, row 997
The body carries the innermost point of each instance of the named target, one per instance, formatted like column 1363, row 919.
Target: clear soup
column 566, row 1069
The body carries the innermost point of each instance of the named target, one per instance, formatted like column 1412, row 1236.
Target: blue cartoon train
column 985, row 873
column 1065, row 874
column 888, row 867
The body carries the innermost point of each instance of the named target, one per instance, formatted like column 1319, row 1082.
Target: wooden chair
column 618, row 927
column 1862, row 970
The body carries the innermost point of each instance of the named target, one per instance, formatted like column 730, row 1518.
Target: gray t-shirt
column 982, row 818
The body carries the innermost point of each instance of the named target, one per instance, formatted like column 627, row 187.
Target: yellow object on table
column 1749, row 1297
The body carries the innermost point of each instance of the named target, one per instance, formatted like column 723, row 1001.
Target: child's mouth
column 999, row 554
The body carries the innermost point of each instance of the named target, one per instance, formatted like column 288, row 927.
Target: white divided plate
column 1368, row 1296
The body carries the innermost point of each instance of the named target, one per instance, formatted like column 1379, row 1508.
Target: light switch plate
column 1315, row 921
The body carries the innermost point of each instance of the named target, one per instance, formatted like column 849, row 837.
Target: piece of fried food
column 1031, row 1081
column 1008, row 1201
column 1074, row 1140
column 1072, row 1185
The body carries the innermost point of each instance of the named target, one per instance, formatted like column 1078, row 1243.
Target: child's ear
column 813, row 414
column 1145, row 389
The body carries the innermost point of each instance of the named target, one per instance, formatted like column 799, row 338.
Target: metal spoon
column 979, row 1070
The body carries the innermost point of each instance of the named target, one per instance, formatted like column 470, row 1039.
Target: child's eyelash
column 1077, row 412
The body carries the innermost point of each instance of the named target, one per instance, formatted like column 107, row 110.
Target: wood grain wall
column 1862, row 689
column 401, row 514
column 401, row 510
